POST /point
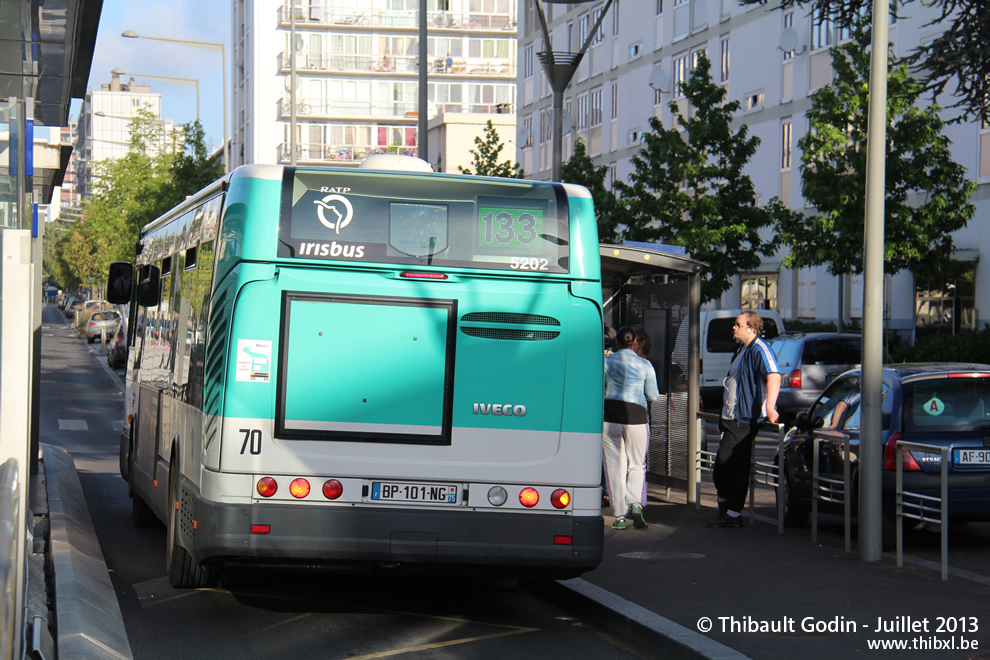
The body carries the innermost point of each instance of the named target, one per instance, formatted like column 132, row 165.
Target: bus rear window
column 423, row 219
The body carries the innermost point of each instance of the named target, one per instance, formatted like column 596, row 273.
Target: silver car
column 808, row 362
column 106, row 320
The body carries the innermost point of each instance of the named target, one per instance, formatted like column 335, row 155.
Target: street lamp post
column 205, row 45
column 189, row 82
column 560, row 67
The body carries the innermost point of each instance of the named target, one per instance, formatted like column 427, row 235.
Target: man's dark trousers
column 733, row 463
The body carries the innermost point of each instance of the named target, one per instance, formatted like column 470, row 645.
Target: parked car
column 104, row 321
column 117, row 347
column 89, row 307
column 71, row 307
column 810, row 361
column 943, row 404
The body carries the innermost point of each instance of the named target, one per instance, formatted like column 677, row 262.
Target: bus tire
column 183, row 572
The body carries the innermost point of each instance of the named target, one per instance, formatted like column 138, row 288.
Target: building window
column 946, row 303
column 528, row 61
column 600, row 33
column 724, row 69
column 821, row 29
column 584, row 27
column 659, row 7
column 788, row 23
column 759, row 291
column 528, row 131
column 612, row 174
column 596, row 106
column 680, row 73
column 785, row 143
column 615, row 18
column 583, row 111
column 615, row 99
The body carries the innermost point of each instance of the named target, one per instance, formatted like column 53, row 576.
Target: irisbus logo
column 506, row 409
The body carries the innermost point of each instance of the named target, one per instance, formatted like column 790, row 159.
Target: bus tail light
column 332, row 489
column 563, row 540
column 299, row 488
column 529, row 497
column 267, row 487
column 890, row 456
column 497, row 496
column 423, row 276
column 560, row 498
column 261, row 529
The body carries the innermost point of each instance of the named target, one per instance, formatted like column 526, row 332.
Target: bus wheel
column 183, row 572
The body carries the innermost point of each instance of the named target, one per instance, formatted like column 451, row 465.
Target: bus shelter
column 659, row 291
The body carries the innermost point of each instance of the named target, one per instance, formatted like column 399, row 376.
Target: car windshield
column 946, row 403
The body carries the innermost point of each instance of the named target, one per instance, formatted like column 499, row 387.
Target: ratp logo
column 338, row 207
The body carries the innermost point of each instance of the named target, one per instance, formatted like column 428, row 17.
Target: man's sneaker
column 726, row 521
column 636, row 513
column 619, row 523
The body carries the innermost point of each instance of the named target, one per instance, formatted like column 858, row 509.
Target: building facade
column 103, row 127
column 357, row 74
column 615, row 91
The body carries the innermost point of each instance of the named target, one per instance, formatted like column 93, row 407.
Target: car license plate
column 389, row 491
column 973, row 457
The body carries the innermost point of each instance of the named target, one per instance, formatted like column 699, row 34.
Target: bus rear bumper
column 339, row 535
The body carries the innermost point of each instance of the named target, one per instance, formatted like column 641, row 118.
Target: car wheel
column 795, row 513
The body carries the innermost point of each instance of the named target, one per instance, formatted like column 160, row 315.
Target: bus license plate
column 387, row 491
column 973, row 457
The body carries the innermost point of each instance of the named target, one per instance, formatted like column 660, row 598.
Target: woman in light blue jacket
column 630, row 384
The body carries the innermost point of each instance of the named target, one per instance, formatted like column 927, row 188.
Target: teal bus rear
column 351, row 367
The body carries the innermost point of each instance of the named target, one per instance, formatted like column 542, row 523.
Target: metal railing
column 329, row 14
column 9, row 568
column 768, row 474
column 825, row 489
column 919, row 506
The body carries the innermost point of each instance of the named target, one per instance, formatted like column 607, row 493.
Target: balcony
column 470, row 66
column 374, row 110
column 328, row 15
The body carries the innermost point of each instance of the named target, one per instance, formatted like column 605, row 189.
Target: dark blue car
column 941, row 404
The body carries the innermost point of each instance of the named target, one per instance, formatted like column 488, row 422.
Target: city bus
column 366, row 368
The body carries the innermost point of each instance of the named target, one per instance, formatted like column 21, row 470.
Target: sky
column 195, row 20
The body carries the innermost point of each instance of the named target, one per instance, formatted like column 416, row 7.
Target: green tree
column 485, row 159
column 160, row 169
column 956, row 58
column 581, row 169
column 927, row 194
column 688, row 187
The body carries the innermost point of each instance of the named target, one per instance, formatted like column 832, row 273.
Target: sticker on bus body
column 254, row 360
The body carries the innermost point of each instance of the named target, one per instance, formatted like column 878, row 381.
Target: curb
column 90, row 624
column 665, row 638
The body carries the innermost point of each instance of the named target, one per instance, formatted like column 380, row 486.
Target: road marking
column 72, row 425
column 438, row 645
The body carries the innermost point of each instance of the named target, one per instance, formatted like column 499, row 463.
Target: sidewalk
column 676, row 576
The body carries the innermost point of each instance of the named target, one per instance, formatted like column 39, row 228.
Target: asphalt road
column 277, row 614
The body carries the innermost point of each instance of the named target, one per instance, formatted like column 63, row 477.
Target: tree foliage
column 160, row 169
column 581, row 169
column 692, row 192
column 485, row 158
column 957, row 59
column 833, row 173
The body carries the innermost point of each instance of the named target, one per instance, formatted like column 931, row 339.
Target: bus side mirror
column 119, row 283
column 149, row 288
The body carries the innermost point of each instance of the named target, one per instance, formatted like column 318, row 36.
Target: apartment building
column 102, row 129
column 611, row 99
column 357, row 74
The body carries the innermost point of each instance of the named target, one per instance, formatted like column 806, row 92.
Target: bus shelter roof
column 625, row 260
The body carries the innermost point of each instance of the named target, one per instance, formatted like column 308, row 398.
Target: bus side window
column 198, row 287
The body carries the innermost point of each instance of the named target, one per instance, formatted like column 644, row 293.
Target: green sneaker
column 636, row 513
column 619, row 523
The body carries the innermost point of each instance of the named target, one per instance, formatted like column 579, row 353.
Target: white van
column 717, row 346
